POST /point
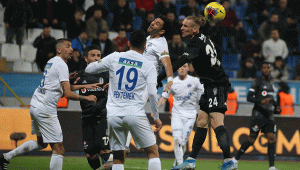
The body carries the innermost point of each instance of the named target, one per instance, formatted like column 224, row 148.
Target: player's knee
column 91, row 156
column 271, row 138
column 202, row 123
column 177, row 141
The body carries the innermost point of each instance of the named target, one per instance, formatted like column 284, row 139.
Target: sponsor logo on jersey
column 85, row 145
column 189, row 85
column 215, row 91
column 264, row 93
column 164, row 53
column 255, row 128
column 265, row 87
column 101, row 80
column 129, row 62
column 48, row 65
column 83, row 90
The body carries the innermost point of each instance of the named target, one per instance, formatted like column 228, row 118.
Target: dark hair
column 79, row 10
column 164, row 18
column 60, row 41
column 89, row 48
column 137, row 39
column 284, row 86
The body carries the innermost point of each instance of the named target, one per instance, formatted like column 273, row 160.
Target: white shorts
column 139, row 127
column 45, row 125
column 182, row 127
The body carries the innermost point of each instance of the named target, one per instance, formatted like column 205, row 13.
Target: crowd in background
column 259, row 30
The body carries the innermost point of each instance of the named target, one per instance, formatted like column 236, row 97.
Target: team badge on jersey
column 48, row 65
column 83, row 90
column 264, row 93
column 101, row 80
column 189, row 85
column 99, row 61
column 215, row 90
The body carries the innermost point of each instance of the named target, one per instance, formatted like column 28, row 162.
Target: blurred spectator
column 123, row 17
column 76, row 25
column 283, row 11
column 274, row 47
column 268, row 25
column 49, row 13
column 95, row 25
column 230, row 19
column 34, row 23
column 285, row 100
column 256, row 13
column 232, row 104
column 104, row 43
column 190, row 10
column 73, row 62
column 81, row 42
column 279, row 71
column 180, row 19
column 45, row 45
column 97, row 5
column 176, row 47
column 16, row 15
column 171, row 26
column 146, row 24
column 296, row 72
column 202, row 4
column 252, row 49
column 66, row 10
column 120, row 43
column 164, row 7
column 144, row 7
column 248, row 69
column 291, row 35
column 239, row 37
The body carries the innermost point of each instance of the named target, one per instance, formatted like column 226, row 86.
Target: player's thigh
column 140, row 130
column 101, row 134
column 117, row 133
column 216, row 96
column 217, row 119
column 187, row 129
column 46, row 124
column 202, row 119
column 88, row 137
column 177, row 124
column 270, row 129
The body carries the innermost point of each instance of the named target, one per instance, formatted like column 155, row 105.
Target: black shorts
column 214, row 98
column 94, row 135
column 266, row 125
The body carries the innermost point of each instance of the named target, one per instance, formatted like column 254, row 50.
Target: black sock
column 223, row 140
column 198, row 141
column 94, row 163
column 104, row 157
column 271, row 153
column 243, row 149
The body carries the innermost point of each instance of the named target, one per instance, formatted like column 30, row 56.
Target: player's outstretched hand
column 266, row 101
column 73, row 75
column 168, row 86
column 105, row 87
column 92, row 86
column 158, row 124
column 91, row 98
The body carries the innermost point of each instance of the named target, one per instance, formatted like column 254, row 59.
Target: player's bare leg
column 153, row 157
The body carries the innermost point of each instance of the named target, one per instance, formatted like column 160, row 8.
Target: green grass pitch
column 80, row 163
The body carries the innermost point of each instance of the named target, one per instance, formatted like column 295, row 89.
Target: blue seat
column 231, row 61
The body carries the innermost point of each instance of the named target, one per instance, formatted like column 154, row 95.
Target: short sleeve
column 162, row 50
column 101, row 65
column 63, row 72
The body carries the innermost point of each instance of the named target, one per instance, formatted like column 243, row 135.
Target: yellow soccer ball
column 214, row 12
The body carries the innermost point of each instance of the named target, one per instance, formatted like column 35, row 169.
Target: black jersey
column 206, row 60
column 90, row 108
column 259, row 90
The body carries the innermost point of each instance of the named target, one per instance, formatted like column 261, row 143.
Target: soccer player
column 186, row 91
column 94, row 123
column 43, row 109
column 201, row 51
column 157, row 48
column 132, row 78
column 261, row 93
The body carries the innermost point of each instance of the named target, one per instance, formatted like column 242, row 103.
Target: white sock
column 178, row 152
column 56, row 162
column 118, row 167
column 24, row 148
column 129, row 137
column 227, row 160
column 190, row 158
column 154, row 164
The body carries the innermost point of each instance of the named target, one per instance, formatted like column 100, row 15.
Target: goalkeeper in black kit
column 94, row 124
column 202, row 53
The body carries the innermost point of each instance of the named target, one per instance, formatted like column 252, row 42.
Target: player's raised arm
column 99, row 66
column 169, row 71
